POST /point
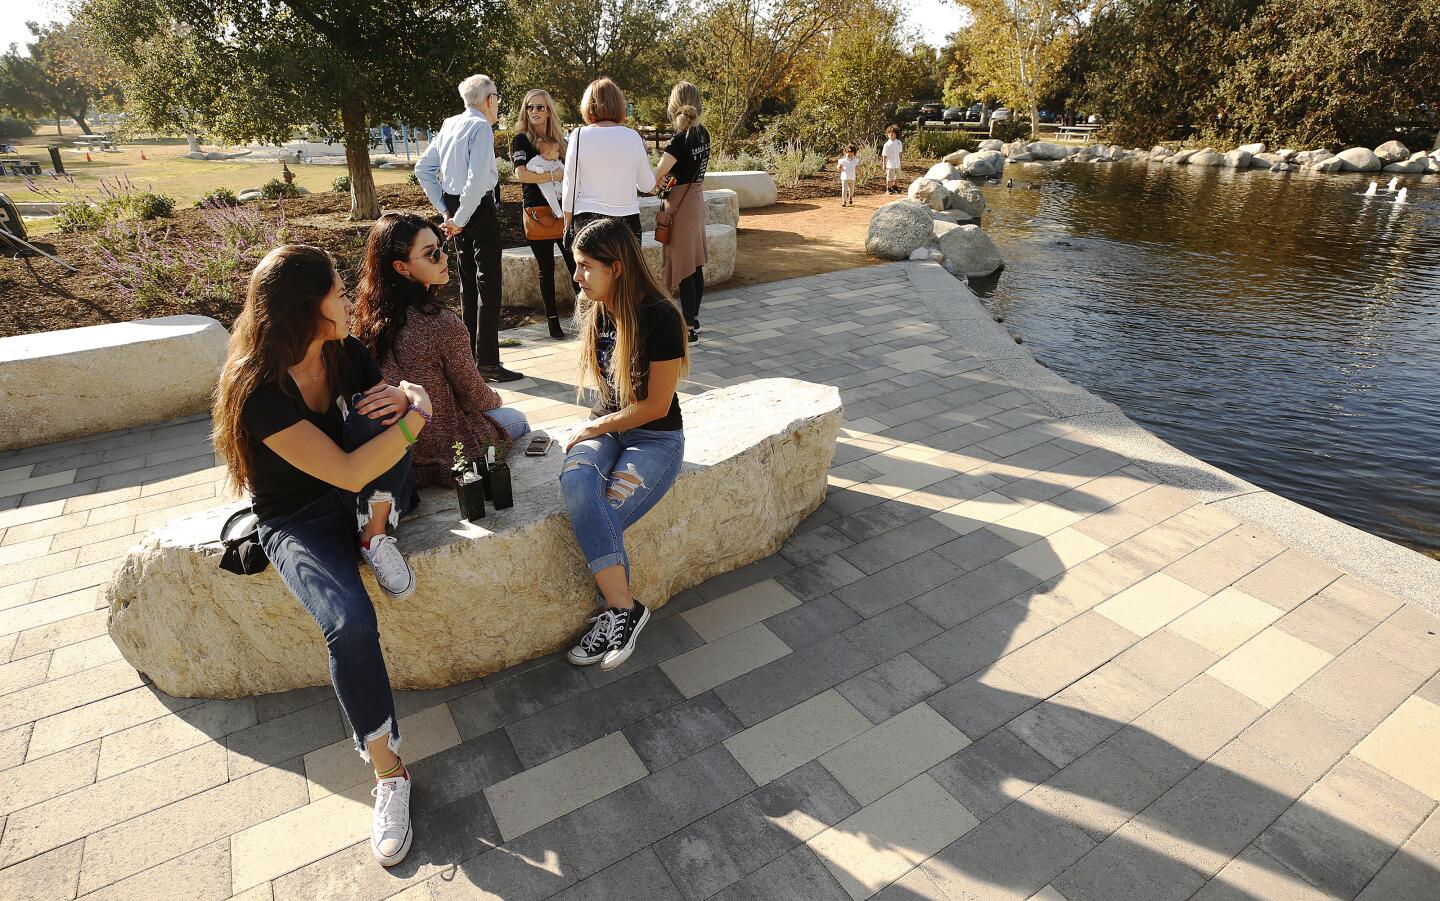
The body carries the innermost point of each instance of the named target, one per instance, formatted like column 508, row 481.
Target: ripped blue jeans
column 611, row 481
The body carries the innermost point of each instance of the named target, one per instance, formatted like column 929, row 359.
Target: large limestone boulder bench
column 510, row 588
column 520, row 274
column 80, row 381
column 722, row 207
column 755, row 188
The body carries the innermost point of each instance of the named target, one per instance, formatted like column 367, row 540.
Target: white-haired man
column 459, row 175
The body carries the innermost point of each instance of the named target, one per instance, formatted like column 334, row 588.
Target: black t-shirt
column 691, row 149
column 279, row 488
column 662, row 333
column 521, row 150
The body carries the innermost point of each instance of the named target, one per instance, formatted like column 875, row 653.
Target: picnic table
column 1077, row 131
column 14, row 165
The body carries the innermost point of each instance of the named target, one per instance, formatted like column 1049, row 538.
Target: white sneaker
column 598, row 641
column 627, row 629
column 391, row 570
column 390, row 832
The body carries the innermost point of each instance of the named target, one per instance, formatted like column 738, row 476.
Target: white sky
column 934, row 18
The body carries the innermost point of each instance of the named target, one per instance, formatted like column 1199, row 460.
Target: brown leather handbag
column 541, row 224
column 664, row 221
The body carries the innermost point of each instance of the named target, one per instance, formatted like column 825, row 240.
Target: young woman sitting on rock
column 399, row 318
column 623, row 460
column 322, row 445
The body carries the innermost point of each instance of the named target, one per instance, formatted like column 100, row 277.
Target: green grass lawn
column 162, row 171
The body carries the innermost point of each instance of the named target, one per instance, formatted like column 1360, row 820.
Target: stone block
column 722, row 207
column 107, row 377
column 753, row 188
column 508, row 589
column 520, row 274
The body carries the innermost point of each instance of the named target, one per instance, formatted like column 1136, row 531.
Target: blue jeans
column 316, row 550
column 611, row 481
column 511, row 420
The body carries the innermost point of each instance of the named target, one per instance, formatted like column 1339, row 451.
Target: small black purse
column 241, row 537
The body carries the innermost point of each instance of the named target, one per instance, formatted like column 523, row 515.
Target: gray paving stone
column 893, row 632
column 1121, row 869
column 978, row 642
column 976, row 708
column 992, row 772
column 278, row 740
column 875, row 521
column 712, row 853
column 1062, row 732
column 667, row 737
column 910, row 579
column 982, row 546
column 847, row 502
column 812, row 621
column 727, row 583
column 895, row 685
column 462, row 771
column 1099, row 792
column 807, row 547
column 661, row 640
column 641, row 875
column 797, row 875
column 976, row 591
column 584, row 718
column 794, row 678
column 494, row 706
column 821, row 577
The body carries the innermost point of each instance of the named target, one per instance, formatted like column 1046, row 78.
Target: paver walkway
column 997, row 663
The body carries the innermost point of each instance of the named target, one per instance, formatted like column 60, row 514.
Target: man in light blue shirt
column 459, row 175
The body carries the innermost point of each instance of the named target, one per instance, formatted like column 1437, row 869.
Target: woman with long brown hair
column 399, row 318
column 320, row 442
column 539, row 121
column 683, row 165
column 622, row 461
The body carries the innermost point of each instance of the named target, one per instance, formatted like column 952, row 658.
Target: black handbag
column 240, row 535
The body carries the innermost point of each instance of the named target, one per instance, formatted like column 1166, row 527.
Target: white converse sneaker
column 622, row 644
column 596, row 643
column 391, row 570
column 390, row 832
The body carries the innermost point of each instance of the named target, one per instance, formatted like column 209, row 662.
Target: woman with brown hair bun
column 683, row 167
column 322, row 445
column 400, row 320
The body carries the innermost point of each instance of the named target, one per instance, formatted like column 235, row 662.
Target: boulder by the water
column 942, row 171
column 956, row 158
column 1407, row 167
column 1045, row 150
column 1206, row 157
column 1392, row 152
column 1252, row 149
column 1236, row 159
column 1311, row 157
column 967, row 250
column 898, row 228
column 1180, row 158
column 1264, row 160
column 965, row 198
column 1329, row 164
column 1359, row 159
column 929, row 192
column 992, row 144
column 984, row 163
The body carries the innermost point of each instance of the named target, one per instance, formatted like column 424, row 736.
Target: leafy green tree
column 250, row 71
column 1014, row 49
column 63, row 75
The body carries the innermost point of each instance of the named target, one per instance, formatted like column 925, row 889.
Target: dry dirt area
column 805, row 235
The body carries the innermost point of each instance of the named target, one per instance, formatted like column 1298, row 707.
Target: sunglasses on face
column 433, row 254
column 536, row 108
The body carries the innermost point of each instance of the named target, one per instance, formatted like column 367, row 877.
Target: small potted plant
column 469, row 485
column 497, row 480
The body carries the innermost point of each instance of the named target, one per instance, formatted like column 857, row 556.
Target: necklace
column 313, row 378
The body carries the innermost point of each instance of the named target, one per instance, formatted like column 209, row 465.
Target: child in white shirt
column 547, row 159
column 846, row 166
column 891, row 154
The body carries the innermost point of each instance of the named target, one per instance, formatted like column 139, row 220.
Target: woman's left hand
column 584, row 433
column 386, row 403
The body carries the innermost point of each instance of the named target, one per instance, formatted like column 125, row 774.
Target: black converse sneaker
column 596, row 643
column 622, row 642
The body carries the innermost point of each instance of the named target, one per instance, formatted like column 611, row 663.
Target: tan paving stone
column 1360, row 688
column 84, row 535
column 1302, row 736
column 1327, row 624
column 19, row 516
column 1058, row 553
column 1226, row 560
column 1225, row 621
column 1163, row 544
column 190, row 723
column 58, row 821
column 47, row 877
column 1409, row 637
column 1150, row 604
column 23, row 673
column 108, row 550
column 701, row 669
column 1195, row 721
column 878, row 844
column 1269, row 666
column 967, row 516
column 880, row 760
column 67, row 620
column 1082, row 587
column 16, row 594
column 773, row 747
column 48, row 777
column 1289, row 579
column 1407, row 746
column 1368, row 600
column 49, row 698
column 37, row 568
column 82, row 576
column 12, row 747
column 37, row 483
column 151, row 503
column 85, row 503
column 1037, row 521
column 1256, row 876
column 195, row 822
column 25, row 550
column 100, row 718
column 338, row 766
column 299, row 836
column 201, row 875
column 739, row 609
column 562, row 784
column 55, row 525
column 82, row 655
column 1411, row 874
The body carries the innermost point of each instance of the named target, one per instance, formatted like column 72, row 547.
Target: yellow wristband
column 405, row 430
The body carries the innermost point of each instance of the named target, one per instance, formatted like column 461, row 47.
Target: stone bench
column 520, row 274
column 81, row 381
column 722, row 207
column 755, row 189
column 491, row 595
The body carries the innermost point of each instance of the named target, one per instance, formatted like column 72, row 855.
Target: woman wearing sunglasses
column 538, row 120
column 399, row 318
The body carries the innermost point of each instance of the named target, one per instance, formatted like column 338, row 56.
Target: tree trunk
column 192, row 142
column 57, row 126
column 363, row 202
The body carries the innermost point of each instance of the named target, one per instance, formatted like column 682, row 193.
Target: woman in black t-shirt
column 624, row 459
column 683, row 165
column 322, row 445
column 538, row 115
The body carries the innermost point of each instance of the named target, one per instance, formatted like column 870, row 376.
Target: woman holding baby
column 538, row 151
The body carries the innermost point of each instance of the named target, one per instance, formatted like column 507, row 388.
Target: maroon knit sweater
column 433, row 350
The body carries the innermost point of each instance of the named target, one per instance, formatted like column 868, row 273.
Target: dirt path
column 803, row 237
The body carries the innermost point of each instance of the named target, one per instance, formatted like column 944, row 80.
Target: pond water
column 1280, row 326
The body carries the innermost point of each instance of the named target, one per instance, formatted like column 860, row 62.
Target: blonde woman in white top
column 606, row 166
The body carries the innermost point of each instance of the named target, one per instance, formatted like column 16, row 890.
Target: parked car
column 955, row 114
column 1001, row 114
column 1046, row 116
column 932, row 112
column 974, row 113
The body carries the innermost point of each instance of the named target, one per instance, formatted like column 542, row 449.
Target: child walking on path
column 891, row 154
column 847, row 165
